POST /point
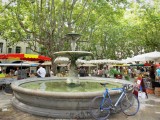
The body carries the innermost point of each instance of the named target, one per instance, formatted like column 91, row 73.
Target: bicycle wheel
column 130, row 104
column 95, row 108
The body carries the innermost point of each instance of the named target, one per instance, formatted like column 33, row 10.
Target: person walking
column 152, row 75
column 158, row 73
column 21, row 74
column 41, row 72
column 82, row 72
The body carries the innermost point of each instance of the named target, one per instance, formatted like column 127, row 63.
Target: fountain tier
column 73, row 56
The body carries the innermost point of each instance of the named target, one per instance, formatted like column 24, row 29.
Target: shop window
column 18, row 49
column 28, row 50
column 28, row 37
column 9, row 50
column 1, row 47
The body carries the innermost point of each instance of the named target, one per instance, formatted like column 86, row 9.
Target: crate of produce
column 149, row 91
column 157, row 91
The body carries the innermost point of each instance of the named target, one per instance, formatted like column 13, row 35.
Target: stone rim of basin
column 16, row 86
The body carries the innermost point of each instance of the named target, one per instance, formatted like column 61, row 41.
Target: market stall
column 7, row 70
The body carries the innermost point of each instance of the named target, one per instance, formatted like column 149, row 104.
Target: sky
column 5, row 1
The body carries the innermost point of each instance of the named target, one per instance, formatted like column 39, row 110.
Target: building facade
column 20, row 47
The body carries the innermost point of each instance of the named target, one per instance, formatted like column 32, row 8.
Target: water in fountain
column 52, row 86
column 43, row 86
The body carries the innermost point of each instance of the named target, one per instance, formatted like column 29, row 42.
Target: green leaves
column 113, row 29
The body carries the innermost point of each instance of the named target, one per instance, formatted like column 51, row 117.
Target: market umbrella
column 2, row 56
column 65, row 60
column 61, row 60
column 128, row 60
column 104, row 61
column 157, row 65
column 147, row 56
column 87, row 65
column 28, row 57
column 122, row 65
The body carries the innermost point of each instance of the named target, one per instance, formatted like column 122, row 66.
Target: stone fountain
column 73, row 55
column 61, row 104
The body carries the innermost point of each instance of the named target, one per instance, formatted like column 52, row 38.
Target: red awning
column 28, row 57
column 2, row 56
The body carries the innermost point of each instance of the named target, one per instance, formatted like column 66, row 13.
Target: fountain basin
column 73, row 54
column 63, row 105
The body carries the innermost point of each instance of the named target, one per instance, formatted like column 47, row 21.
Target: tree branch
column 79, row 15
column 7, row 6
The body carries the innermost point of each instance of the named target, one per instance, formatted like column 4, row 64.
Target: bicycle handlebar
column 127, row 86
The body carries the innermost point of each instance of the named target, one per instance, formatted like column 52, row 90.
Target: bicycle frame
column 106, row 94
column 102, row 106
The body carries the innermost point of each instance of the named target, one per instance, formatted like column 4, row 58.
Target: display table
column 156, row 84
column 7, row 80
column 157, row 91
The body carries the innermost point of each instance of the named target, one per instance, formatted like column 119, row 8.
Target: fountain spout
column 73, row 45
column 74, row 38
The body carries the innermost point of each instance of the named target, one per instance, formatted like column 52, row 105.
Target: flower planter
column 119, row 76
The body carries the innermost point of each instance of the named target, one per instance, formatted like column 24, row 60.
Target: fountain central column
column 73, row 74
column 73, row 45
column 74, row 38
column 73, row 56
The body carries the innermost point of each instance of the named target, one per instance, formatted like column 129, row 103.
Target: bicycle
column 101, row 106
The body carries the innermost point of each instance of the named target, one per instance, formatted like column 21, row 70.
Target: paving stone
column 149, row 110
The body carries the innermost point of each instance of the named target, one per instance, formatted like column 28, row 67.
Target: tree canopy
column 112, row 29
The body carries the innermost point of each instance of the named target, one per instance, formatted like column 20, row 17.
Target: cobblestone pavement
column 149, row 110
